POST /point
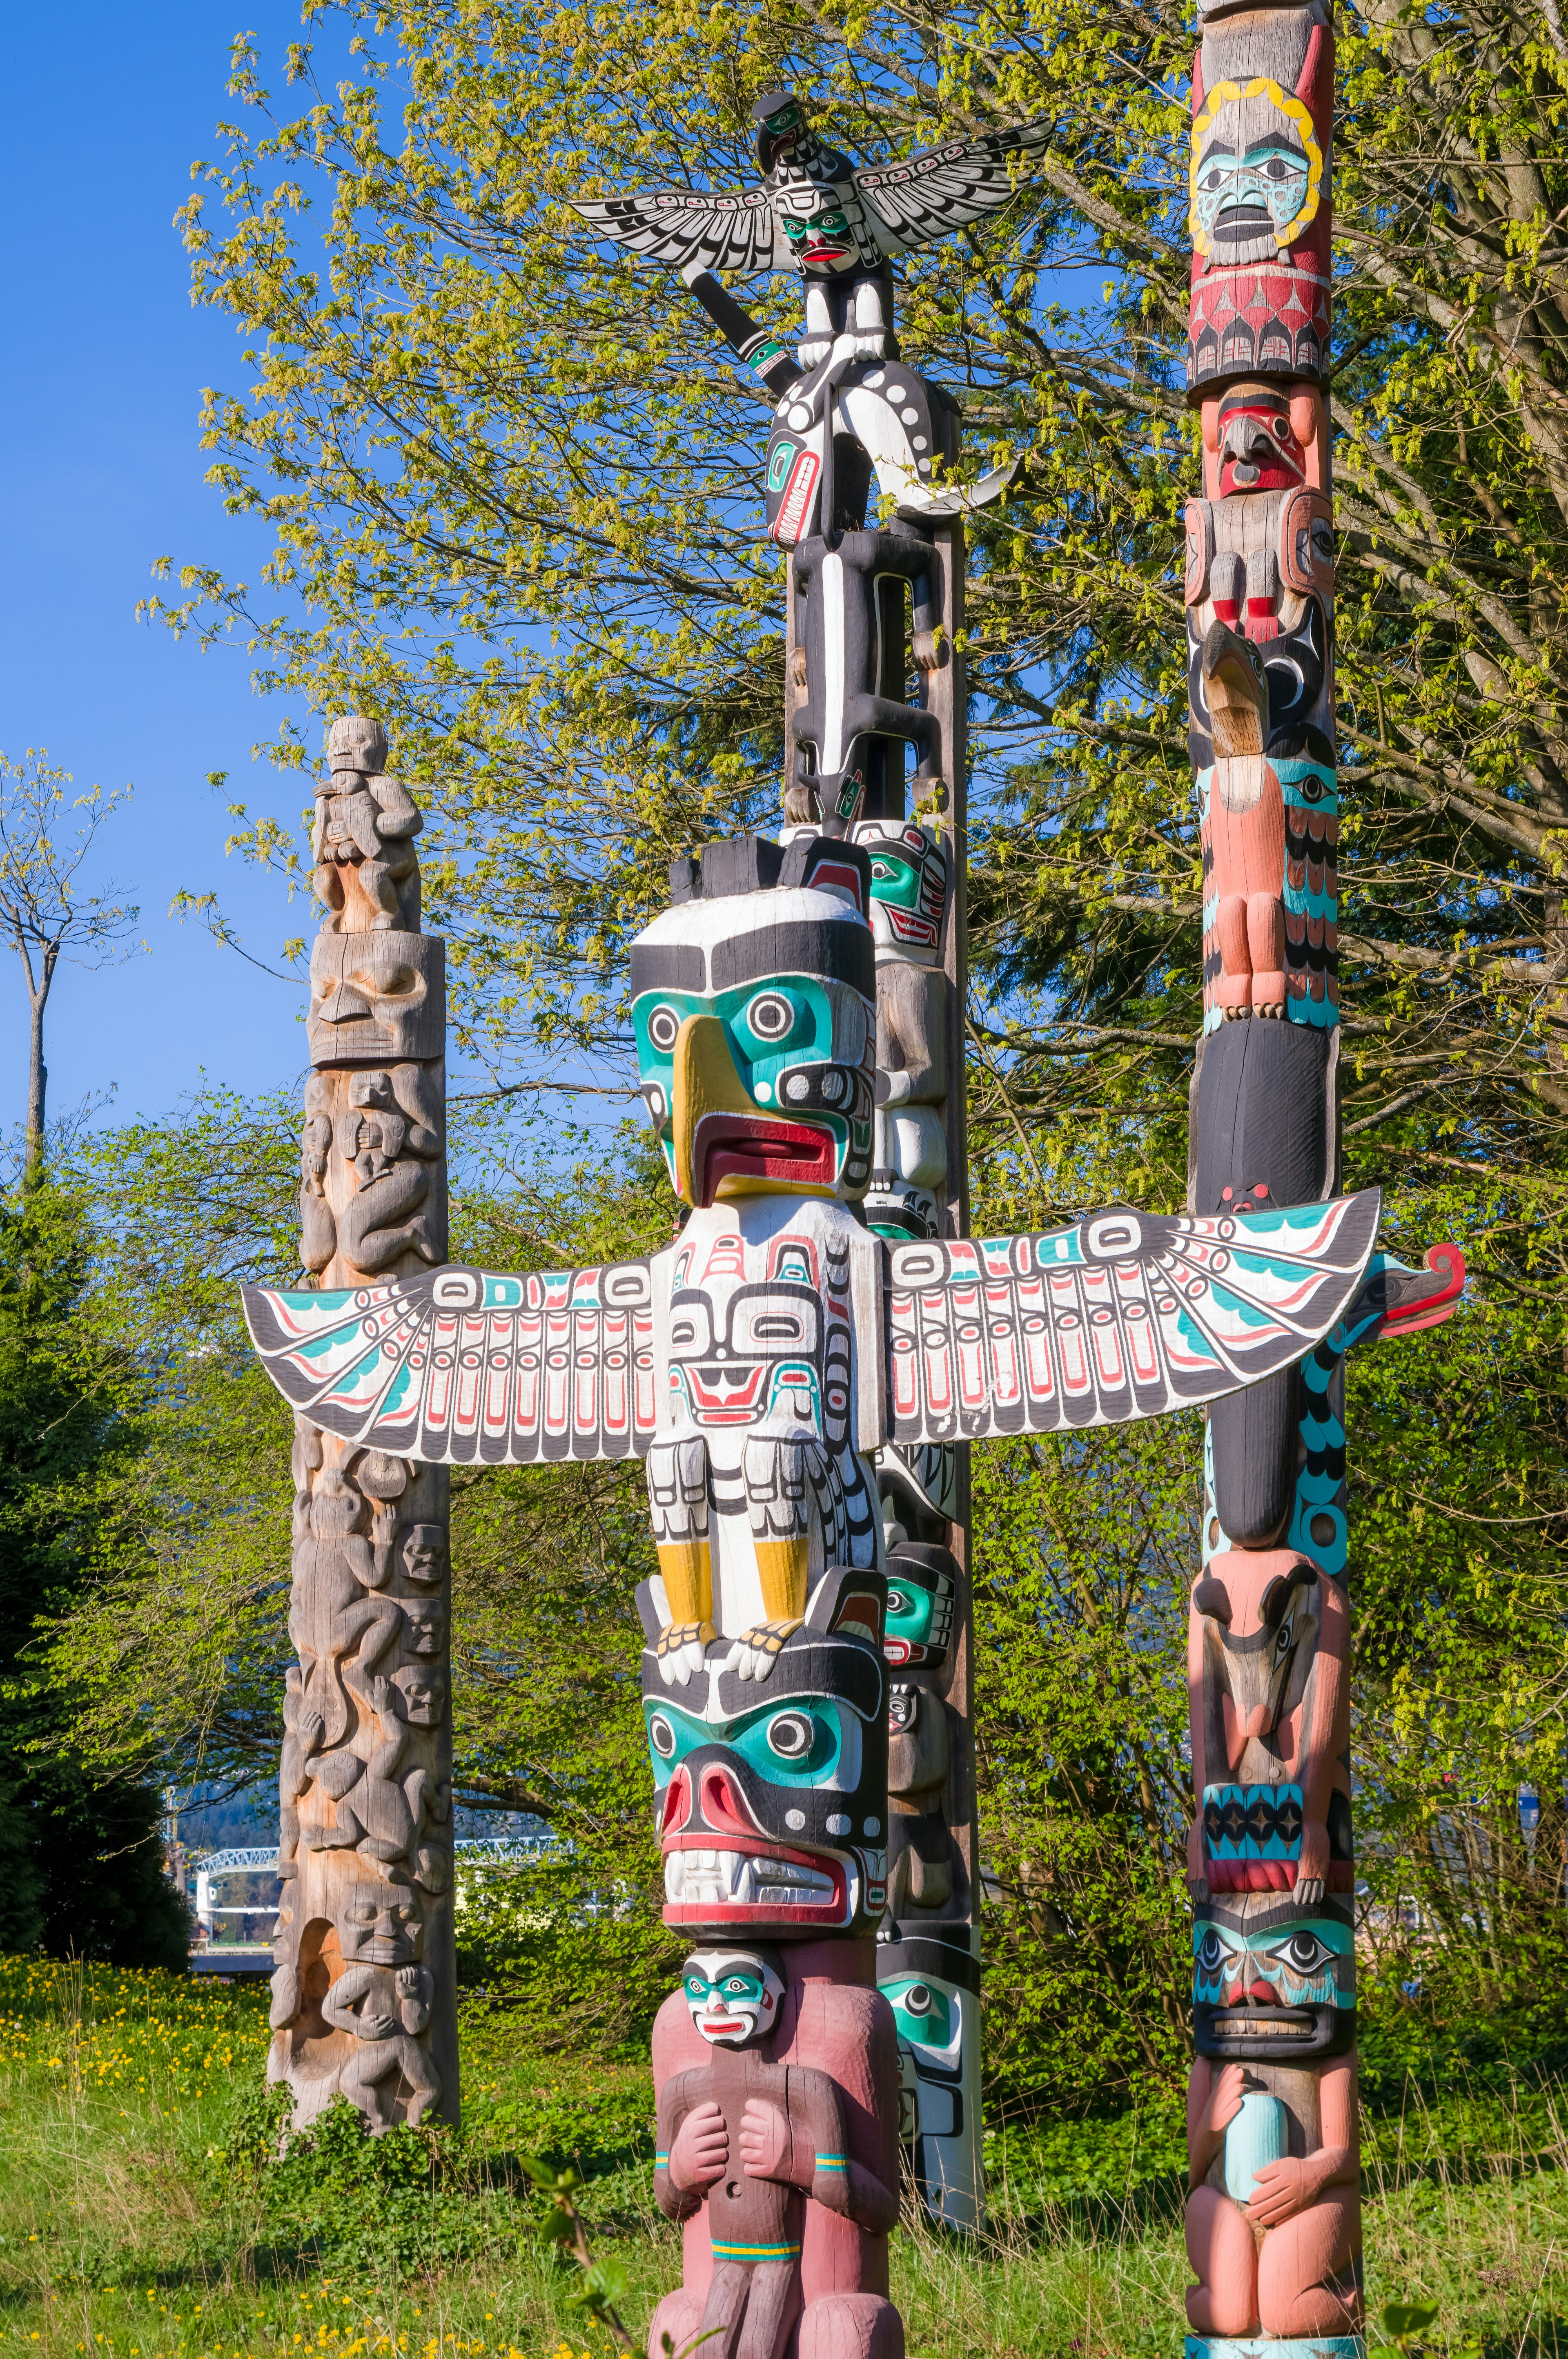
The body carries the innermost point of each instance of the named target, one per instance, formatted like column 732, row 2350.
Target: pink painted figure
column 1274, row 2246
column 785, row 2244
column 1270, row 1704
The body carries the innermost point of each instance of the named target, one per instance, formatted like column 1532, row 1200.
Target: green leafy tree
column 513, row 489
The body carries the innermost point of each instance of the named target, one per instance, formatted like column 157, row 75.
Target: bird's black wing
column 694, row 229
column 943, row 188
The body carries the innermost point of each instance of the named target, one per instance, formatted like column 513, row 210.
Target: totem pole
column 364, row 1992
column 1273, row 2220
column 868, row 614
column 803, row 1369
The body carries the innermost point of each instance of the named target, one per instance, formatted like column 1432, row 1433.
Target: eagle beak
column 706, row 1081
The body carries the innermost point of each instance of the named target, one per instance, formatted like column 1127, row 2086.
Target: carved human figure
column 759, row 2140
column 367, row 872
column 1274, row 2217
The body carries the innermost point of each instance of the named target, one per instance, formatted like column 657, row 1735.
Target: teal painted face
column 920, row 1607
column 734, row 1995
column 1308, row 1961
column 804, row 1741
column 799, row 1046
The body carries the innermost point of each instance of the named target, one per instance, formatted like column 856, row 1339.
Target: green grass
column 133, row 2227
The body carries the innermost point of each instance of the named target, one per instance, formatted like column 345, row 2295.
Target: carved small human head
column 355, row 741
column 381, row 1925
column 425, row 1554
column 425, row 1625
column 734, row 1995
column 423, row 1693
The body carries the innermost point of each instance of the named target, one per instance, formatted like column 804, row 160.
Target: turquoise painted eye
column 793, row 228
column 697, row 1986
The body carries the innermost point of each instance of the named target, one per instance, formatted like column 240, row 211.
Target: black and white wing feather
column 1124, row 1315
column 461, row 1367
column 943, row 188
column 694, row 229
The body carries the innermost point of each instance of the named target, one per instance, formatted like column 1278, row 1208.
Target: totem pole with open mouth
column 803, row 1369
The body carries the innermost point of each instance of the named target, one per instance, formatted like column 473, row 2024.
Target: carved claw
column 817, row 349
column 680, row 1649
column 755, row 1651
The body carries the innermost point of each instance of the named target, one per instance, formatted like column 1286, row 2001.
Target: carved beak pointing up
column 724, row 1144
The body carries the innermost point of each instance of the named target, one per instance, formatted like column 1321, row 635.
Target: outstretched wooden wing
column 943, row 188
column 1124, row 1315
column 694, row 229
column 458, row 1367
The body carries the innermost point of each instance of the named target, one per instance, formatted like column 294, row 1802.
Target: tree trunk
column 38, row 1078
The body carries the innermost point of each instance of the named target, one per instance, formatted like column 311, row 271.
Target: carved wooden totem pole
column 801, row 1370
column 1274, row 2226
column 363, row 1997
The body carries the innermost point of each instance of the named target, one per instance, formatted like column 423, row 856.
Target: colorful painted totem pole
column 1273, row 2226
column 363, row 1997
column 804, row 1368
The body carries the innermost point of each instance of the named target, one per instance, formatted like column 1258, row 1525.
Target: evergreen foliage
column 87, row 1869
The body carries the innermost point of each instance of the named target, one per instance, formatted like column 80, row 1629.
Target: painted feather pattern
column 1123, row 1315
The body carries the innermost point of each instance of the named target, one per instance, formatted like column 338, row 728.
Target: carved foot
column 813, row 350
column 680, row 1648
column 755, row 1651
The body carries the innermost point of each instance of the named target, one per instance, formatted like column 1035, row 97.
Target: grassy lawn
column 132, row 2226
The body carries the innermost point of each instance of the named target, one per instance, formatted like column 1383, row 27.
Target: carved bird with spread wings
column 816, row 213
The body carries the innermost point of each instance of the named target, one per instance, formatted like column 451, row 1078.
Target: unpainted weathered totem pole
column 803, row 1369
column 1273, row 2212
column 365, row 1995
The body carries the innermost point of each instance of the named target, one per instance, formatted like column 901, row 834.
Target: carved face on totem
column 376, row 998
column 920, row 1606
column 354, row 742
column 1257, row 172
column 425, row 1554
column 734, row 1995
column 909, row 887
column 771, row 1800
column 1272, row 1981
column 1260, row 436
column 381, row 1925
column 755, row 1018
column 422, row 1695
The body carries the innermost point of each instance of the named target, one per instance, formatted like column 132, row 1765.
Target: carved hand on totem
column 1281, row 2190
column 767, row 2146
column 1311, row 1867
column 701, row 2148
column 1225, row 2102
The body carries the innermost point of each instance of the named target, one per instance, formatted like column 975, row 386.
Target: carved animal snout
column 1237, row 688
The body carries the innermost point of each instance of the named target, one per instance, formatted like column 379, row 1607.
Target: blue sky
column 100, row 474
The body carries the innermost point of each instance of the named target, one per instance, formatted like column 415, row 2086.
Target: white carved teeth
column 739, row 1877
